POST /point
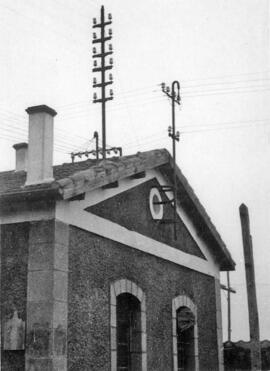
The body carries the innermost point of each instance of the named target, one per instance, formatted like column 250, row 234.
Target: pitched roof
column 73, row 179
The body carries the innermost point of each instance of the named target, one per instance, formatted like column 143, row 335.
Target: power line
column 232, row 125
column 189, row 129
column 132, row 93
column 185, row 128
column 236, row 90
column 65, row 143
column 226, row 123
column 225, row 83
column 22, row 133
column 149, row 89
column 227, row 76
column 225, row 92
column 21, row 124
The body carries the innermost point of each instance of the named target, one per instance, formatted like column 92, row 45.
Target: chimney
column 21, row 156
column 40, row 145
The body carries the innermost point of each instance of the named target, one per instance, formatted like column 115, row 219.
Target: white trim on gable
column 72, row 213
column 99, row 195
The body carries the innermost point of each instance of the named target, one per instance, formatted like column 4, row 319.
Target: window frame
column 178, row 302
column 120, row 287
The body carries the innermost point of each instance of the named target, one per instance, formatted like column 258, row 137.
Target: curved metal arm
column 177, row 85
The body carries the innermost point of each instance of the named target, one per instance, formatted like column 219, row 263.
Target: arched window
column 185, row 335
column 128, row 327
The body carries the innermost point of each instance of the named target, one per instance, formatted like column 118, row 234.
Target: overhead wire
column 189, row 129
column 185, row 91
column 66, row 143
column 155, row 138
column 20, row 122
column 22, row 133
column 187, row 95
column 227, row 76
column 149, row 89
column 81, row 111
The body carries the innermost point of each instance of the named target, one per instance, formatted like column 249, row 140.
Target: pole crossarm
column 102, row 84
column 230, row 289
column 102, row 40
column 102, row 100
column 99, row 25
column 100, row 55
column 102, row 69
column 97, row 151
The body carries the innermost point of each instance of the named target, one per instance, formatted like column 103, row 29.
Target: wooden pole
column 255, row 347
column 230, row 290
column 229, row 307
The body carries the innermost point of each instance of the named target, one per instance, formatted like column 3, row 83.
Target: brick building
column 91, row 275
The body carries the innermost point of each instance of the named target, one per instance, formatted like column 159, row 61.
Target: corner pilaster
column 47, row 286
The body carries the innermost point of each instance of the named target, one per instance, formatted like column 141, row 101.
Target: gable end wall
column 131, row 210
column 95, row 262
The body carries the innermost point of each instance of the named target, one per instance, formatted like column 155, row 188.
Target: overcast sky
column 217, row 49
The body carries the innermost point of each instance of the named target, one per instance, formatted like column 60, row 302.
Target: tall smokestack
column 21, row 156
column 40, row 145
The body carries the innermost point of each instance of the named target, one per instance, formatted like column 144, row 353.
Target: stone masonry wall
column 14, row 260
column 95, row 262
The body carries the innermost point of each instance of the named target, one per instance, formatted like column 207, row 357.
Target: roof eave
column 38, row 192
column 107, row 172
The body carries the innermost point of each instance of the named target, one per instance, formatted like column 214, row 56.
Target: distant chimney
column 21, row 156
column 40, row 145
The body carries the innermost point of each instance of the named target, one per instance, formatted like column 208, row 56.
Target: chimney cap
column 40, row 109
column 20, row 145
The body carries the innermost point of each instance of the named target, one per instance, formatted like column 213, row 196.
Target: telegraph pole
column 175, row 98
column 255, row 346
column 229, row 308
column 102, row 67
column 229, row 290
